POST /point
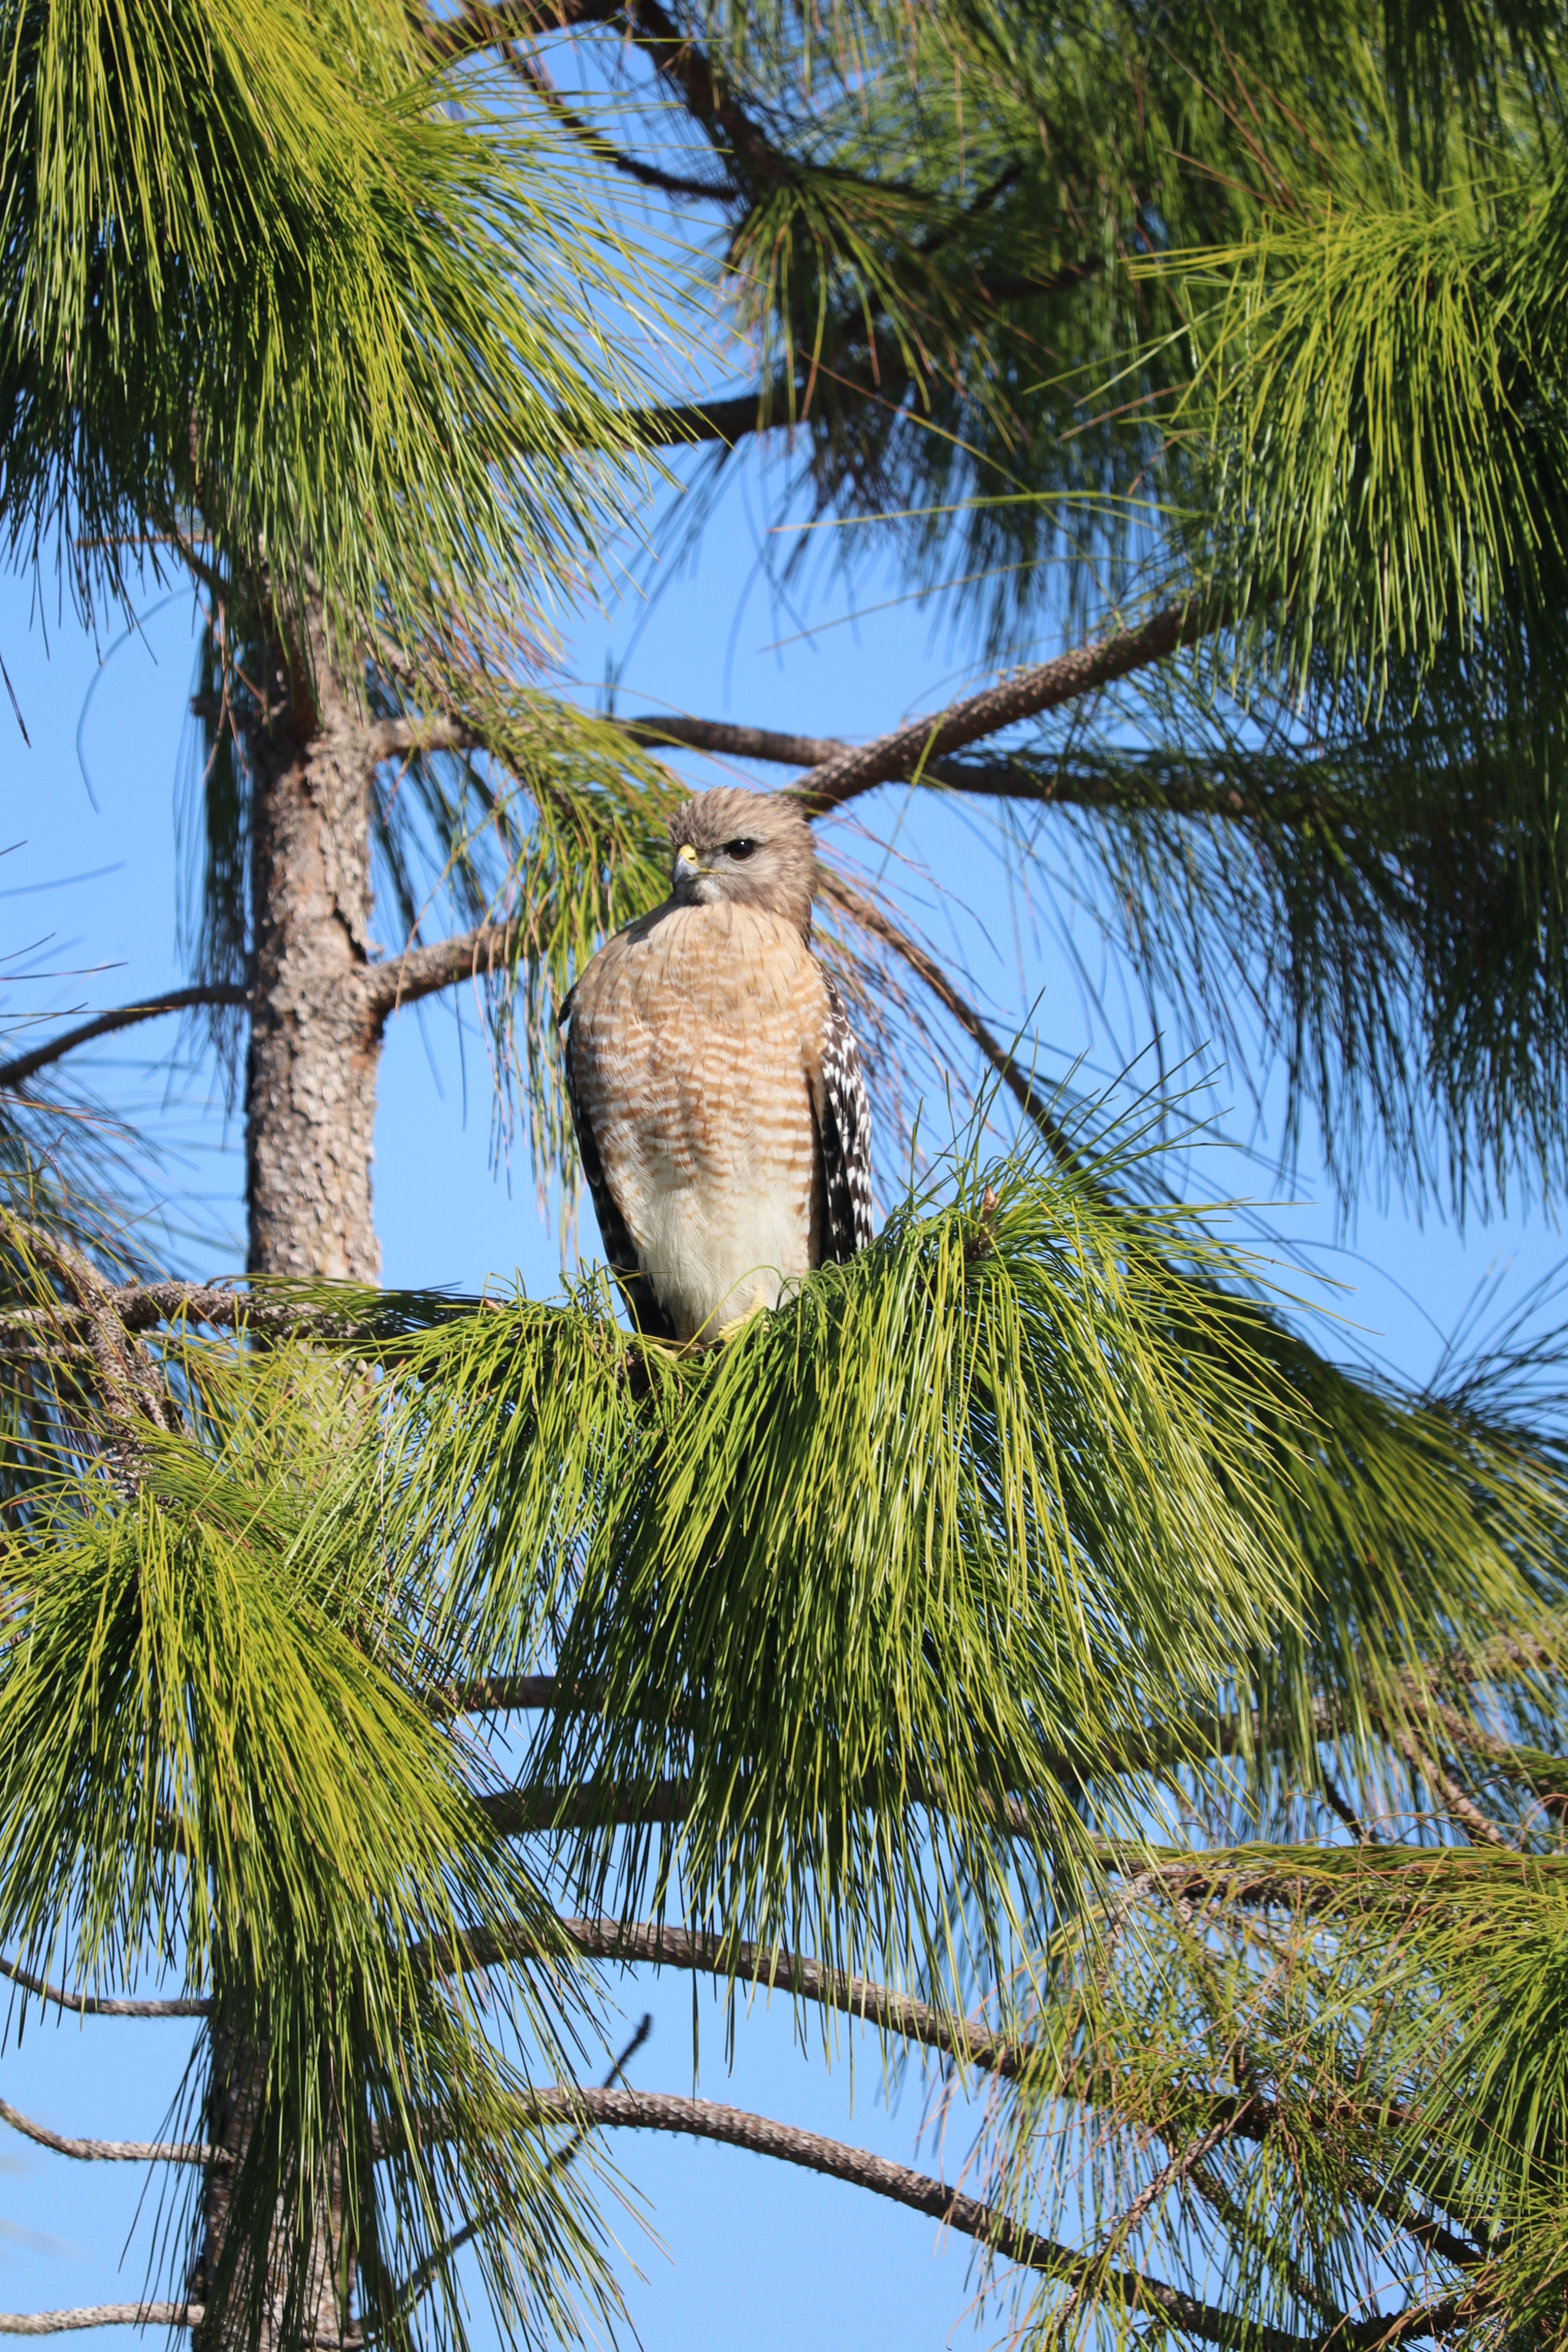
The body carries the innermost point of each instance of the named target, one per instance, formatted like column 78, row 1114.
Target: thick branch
column 727, row 419
column 106, row 2151
column 1010, row 2238
column 500, row 1694
column 656, row 33
column 632, row 1941
column 102, row 1025
column 1249, row 2115
column 403, row 739
column 87, row 2004
column 518, row 1812
column 890, row 759
column 143, row 1305
column 132, row 1395
column 101, row 2314
column 1161, row 788
column 733, row 742
column 421, row 971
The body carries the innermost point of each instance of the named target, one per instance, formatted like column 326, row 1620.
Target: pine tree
column 1027, row 1641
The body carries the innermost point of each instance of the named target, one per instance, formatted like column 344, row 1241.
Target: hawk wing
column 635, row 1289
column 844, row 1129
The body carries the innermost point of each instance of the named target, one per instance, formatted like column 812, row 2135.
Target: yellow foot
column 726, row 1332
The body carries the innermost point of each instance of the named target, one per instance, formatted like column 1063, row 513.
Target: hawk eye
column 739, row 848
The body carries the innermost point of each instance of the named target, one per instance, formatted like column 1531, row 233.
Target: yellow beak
column 686, row 855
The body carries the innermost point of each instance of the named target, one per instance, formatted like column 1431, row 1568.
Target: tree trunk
column 309, row 1105
column 314, row 1043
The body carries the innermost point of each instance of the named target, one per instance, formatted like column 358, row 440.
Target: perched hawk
column 716, row 1089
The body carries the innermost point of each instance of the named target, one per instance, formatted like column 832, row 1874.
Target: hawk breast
column 695, row 1054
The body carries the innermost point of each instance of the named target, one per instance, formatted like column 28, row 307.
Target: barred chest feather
column 697, row 1044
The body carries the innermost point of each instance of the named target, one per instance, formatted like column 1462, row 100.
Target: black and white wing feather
column 844, row 1125
column 635, row 1289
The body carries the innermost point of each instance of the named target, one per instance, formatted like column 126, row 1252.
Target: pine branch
column 1249, row 2115
column 108, row 2151
column 22, row 1067
column 736, row 742
column 729, row 418
column 1010, row 2238
column 500, row 1694
column 1046, row 686
column 1168, row 788
column 405, row 738
column 102, row 2314
column 1172, row 2175
column 518, row 1812
column 134, row 1399
column 87, row 2004
column 476, row 25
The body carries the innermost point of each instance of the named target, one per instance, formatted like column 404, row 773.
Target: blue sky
column 751, row 2252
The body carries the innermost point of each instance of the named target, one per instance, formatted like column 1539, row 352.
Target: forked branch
column 1046, row 686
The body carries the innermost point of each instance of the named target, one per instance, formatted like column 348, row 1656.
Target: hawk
column 716, row 1089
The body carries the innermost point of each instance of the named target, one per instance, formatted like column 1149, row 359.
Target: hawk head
column 753, row 849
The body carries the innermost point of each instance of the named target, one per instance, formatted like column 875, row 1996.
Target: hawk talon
column 737, row 1323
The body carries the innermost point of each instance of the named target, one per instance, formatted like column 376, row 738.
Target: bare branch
column 890, row 759
column 874, row 919
column 1170, row 789
column 729, row 418
column 655, row 33
column 489, row 24
column 108, row 2151
column 1340, row 1805
column 520, row 1813
column 633, row 1941
column 647, row 175
column 102, row 2314
column 1171, row 2176
column 132, row 1395
column 87, row 2004
column 1249, row 2115
column 22, row 1067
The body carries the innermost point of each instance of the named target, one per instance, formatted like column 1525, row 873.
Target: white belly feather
column 713, row 1253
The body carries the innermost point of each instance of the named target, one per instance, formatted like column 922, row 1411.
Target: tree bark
column 309, row 1106
column 314, row 1042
